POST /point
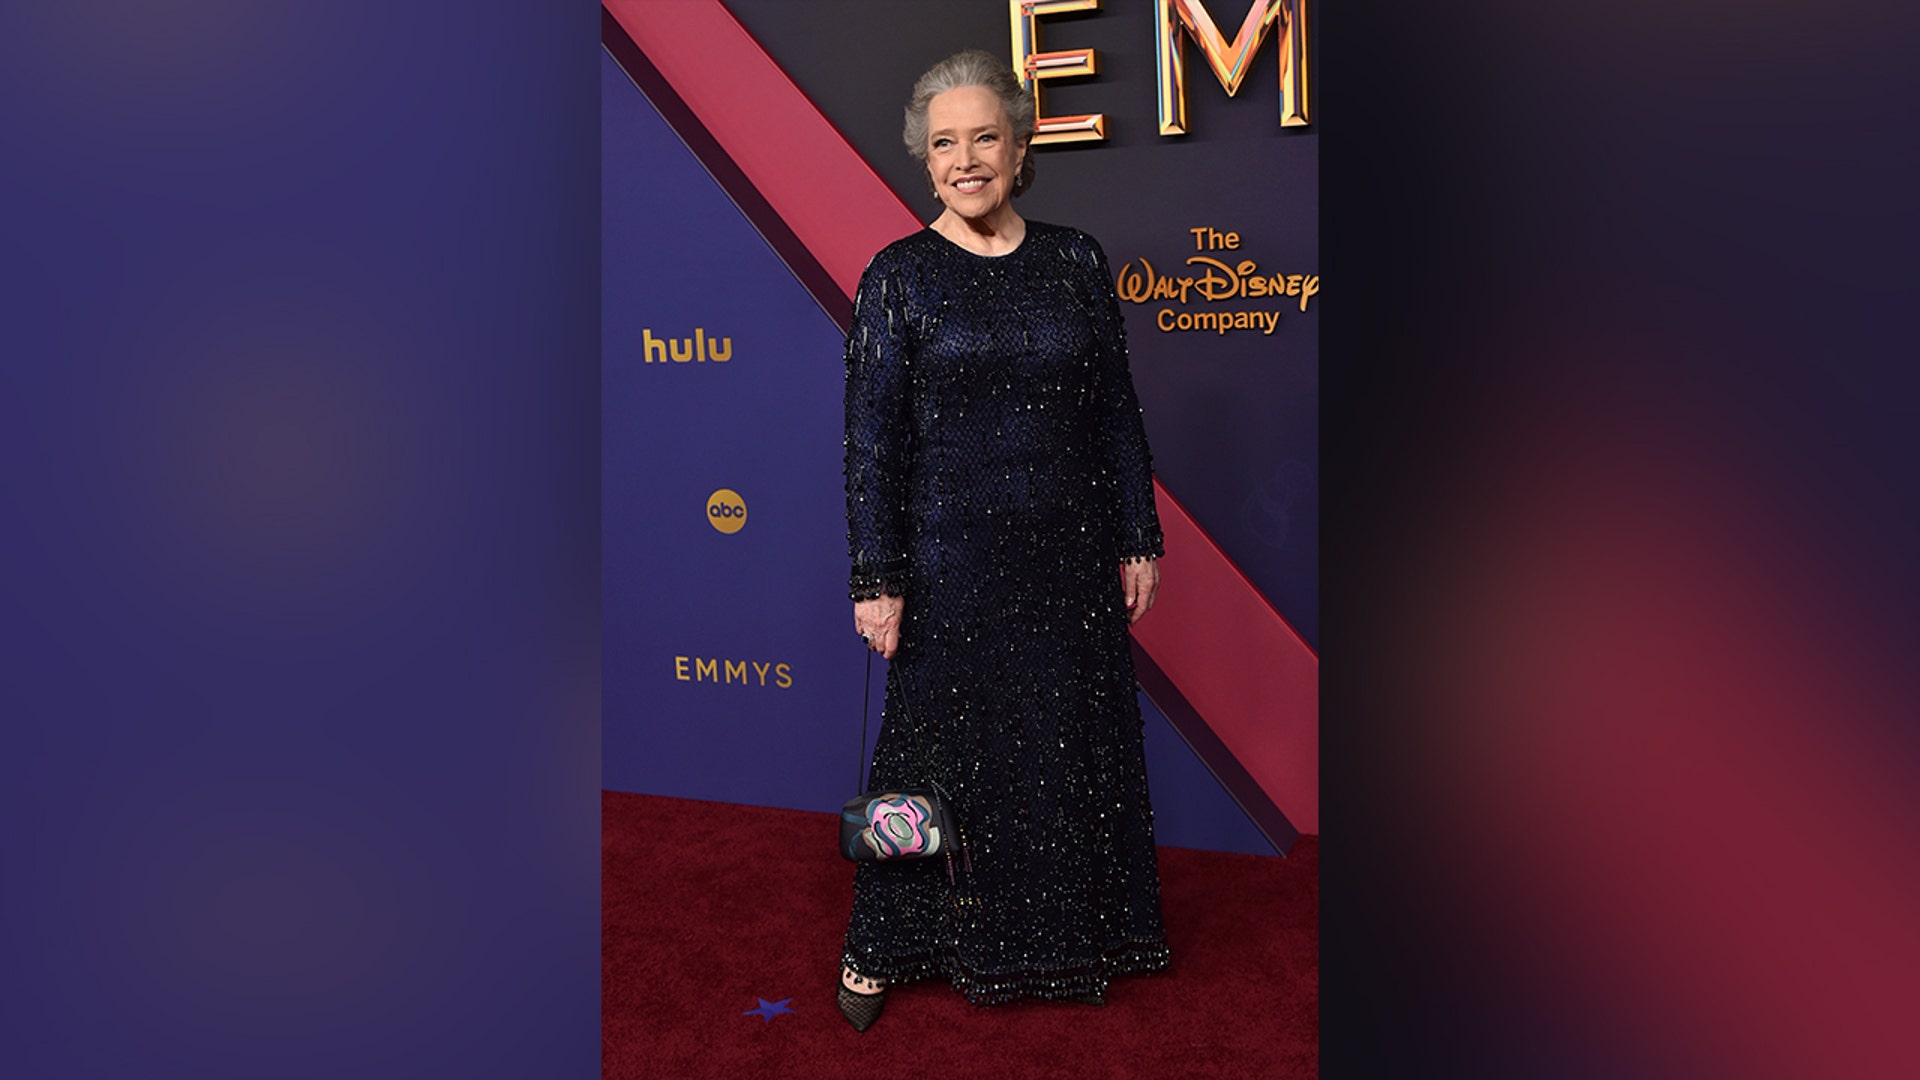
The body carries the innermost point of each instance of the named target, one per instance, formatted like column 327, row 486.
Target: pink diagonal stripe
column 801, row 164
column 1237, row 662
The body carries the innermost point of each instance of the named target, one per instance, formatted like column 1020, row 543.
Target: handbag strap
column 860, row 773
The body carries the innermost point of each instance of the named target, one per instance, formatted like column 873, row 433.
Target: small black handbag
column 902, row 823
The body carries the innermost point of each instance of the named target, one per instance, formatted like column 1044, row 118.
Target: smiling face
column 971, row 155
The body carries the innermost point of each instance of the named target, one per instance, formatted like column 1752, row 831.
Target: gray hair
column 972, row 68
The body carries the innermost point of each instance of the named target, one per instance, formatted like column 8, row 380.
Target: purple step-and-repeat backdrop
column 731, row 671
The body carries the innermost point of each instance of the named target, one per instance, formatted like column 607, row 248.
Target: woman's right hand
column 878, row 620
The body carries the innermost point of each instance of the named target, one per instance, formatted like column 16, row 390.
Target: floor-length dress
column 997, row 477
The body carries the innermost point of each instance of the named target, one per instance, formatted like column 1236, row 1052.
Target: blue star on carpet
column 769, row 1009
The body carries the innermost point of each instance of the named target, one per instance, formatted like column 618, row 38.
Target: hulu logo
column 697, row 349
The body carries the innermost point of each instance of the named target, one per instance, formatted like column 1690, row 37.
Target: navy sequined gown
column 997, row 476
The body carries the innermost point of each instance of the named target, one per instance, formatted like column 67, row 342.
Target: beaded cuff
column 1139, row 545
column 871, row 583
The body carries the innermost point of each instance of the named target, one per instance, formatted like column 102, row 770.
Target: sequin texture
column 997, row 475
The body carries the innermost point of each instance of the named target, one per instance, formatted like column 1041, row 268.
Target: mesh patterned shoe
column 861, row 1008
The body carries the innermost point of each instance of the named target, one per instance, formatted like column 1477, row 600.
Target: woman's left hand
column 1141, row 582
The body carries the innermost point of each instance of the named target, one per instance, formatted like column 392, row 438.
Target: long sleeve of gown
column 1137, row 524
column 877, row 432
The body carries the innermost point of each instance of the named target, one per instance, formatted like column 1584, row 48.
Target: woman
column 1001, row 522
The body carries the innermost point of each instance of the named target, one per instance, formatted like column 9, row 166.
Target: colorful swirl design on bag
column 899, row 826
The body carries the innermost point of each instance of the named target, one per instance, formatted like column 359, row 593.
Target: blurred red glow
column 1666, row 744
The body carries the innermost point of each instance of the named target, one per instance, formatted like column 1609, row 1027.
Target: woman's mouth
column 970, row 185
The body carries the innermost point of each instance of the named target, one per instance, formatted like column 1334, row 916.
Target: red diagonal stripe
column 1225, row 648
column 1237, row 662
column 824, row 191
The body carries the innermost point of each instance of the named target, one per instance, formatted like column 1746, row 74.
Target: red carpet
column 709, row 908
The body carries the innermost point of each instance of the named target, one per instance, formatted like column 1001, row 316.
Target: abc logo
column 726, row 510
